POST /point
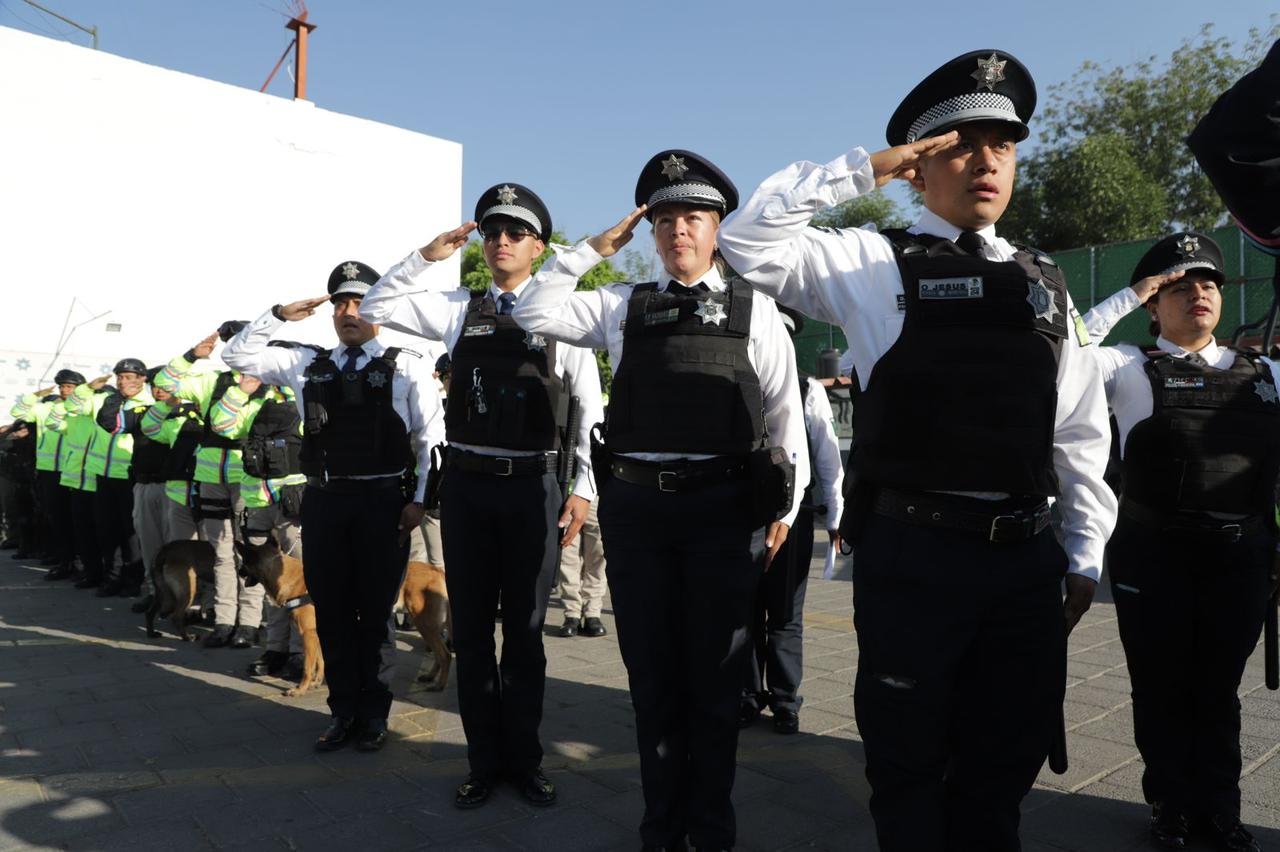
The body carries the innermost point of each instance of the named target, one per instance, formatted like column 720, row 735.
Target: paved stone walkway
column 109, row 740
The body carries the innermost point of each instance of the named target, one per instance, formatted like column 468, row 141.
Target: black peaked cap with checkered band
column 515, row 202
column 984, row 85
column 351, row 277
column 1185, row 250
column 683, row 177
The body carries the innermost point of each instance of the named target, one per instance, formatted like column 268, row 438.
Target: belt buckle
column 506, row 472
column 995, row 524
column 662, row 486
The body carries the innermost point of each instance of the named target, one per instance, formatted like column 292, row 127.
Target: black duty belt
column 502, row 465
column 1195, row 523
column 343, row 485
column 1001, row 521
column 673, row 476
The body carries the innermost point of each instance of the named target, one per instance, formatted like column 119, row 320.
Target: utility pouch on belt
column 600, row 457
column 291, row 501
column 773, row 480
column 431, row 501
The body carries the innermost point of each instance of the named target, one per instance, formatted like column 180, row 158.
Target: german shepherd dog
column 426, row 600
column 281, row 576
column 174, row 573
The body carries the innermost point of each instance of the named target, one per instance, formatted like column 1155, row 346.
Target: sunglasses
column 514, row 232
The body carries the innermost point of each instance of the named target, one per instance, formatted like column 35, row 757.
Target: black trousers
column 354, row 564
column 777, row 627
column 53, row 518
column 1190, row 609
column 85, row 530
column 683, row 581
column 500, row 539
column 113, row 524
column 961, row 673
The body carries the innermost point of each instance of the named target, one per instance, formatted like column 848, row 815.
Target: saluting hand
column 41, row 393
column 302, row 308
column 1149, row 286
column 100, row 382
column 903, row 161
column 1080, row 591
column 575, row 515
column 774, row 538
column 611, row 241
column 204, row 348
column 447, row 243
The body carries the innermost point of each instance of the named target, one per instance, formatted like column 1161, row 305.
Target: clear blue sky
column 571, row 98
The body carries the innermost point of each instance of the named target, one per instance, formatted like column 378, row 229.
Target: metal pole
column 1243, row 312
column 1093, row 276
column 92, row 31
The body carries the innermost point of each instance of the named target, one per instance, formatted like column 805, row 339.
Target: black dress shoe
column 536, row 789
column 142, row 605
column 593, row 627
column 747, row 715
column 60, row 572
column 373, row 733
column 109, row 589
column 88, row 581
column 270, row 663
column 220, row 636
column 473, row 792
column 786, row 721
column 341, row 730
column 570, row 626
column 1169, row 827
column 1227, row 832
column 243, row 637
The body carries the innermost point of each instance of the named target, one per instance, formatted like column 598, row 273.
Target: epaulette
column 1037, row 252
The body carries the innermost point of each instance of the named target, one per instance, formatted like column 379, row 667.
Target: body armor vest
column 210, row 438
column 351, row 426
column 504, row 392
column 272, row 449
column 180, row 463
column 149, row 457
column 686, row 383
column 1212, row 442
column 966, row 398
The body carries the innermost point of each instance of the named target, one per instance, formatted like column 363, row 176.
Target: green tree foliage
column 875, row 207
column 1128, row 123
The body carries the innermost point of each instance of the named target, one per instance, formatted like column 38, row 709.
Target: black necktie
column 675, row 288
column 971, row 243
column 505, row 303
column 1197, row 359
column 352, row 353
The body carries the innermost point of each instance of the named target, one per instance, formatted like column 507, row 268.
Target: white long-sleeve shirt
column 1124, row 372
column 595, row 319
column 414, row 299
column 824, row 451
column 413, row 391
column 850, row 277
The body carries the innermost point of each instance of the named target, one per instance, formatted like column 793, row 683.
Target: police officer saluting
column 704, row 382
column 979, row 403
column 503, row 515
column 1191, row 555
column 370, row 416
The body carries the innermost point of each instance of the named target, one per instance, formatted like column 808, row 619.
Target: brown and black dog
column 174, row 573
column 281, row 576
column 426, row 600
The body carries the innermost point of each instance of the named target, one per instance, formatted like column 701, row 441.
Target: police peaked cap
column 68, row 377
column 130, row 365
column 230, row 329
column 444, row 364
column 1237, row 143
column 1184, row 250
column 675, row 176
column 515, row 202
column 984, row 85
column 351, row 277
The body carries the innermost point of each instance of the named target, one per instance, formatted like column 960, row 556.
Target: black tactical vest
column 149, row 457
column 1212, row 442
column 180, row 463
column 966, row 398
column 351, row 427
column 272, row 449
column 685, row 383
column 504, row 392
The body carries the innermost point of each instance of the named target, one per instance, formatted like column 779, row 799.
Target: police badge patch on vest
column 951, row 288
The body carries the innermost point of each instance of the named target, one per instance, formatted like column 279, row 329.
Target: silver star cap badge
column 673, row 167
column 990, row 71
column 1266, row 391
column 377, row 380
column 712, row 312
column 1188, row 245
column 1040, row 298
column 535, row 342
column 506, row 195
column 351, row 271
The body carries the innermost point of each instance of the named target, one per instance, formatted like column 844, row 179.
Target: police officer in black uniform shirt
column 704, row 379
column 371, row 415
column 1191, row 556
column 503, row 516
column 980, row 402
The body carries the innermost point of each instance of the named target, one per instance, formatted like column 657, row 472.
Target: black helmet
column 68, row 377
column 130, row 365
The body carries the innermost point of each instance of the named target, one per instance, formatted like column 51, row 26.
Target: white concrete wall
column 171, row 203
